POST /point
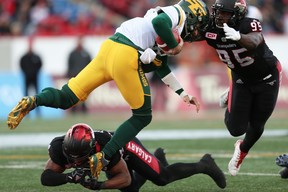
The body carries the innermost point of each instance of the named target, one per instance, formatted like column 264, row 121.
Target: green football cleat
column 25, row 105
column 97, row 163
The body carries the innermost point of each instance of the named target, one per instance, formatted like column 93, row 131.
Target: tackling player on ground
column 127, row 170
column 255, row 72
column 124, row 58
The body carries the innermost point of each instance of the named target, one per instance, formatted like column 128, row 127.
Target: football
column 162, row 45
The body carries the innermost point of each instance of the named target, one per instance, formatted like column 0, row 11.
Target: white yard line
column 43, row 139
column 40, row 165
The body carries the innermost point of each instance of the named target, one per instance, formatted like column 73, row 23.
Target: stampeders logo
column 211, row 35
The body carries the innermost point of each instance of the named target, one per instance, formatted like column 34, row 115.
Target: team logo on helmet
column 197, row 7
column 197, row 18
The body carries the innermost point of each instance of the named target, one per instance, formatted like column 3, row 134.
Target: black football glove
column 91, row 183
column 76, row 176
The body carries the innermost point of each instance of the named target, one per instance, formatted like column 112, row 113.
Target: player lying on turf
column 128, row 169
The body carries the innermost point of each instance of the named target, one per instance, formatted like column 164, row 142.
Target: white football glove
column 231, row 33
column 148, row 56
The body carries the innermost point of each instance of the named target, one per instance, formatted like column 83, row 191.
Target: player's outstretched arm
column 171, row 81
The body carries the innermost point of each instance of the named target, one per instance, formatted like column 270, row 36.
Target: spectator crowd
column 74, row 17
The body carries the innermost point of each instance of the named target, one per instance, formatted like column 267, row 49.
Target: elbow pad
column 51, row 178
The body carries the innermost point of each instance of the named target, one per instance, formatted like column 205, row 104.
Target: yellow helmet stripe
column 195, row 5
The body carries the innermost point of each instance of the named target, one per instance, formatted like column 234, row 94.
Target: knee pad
column 141, row 118
column 236, row 130
column 145, row 120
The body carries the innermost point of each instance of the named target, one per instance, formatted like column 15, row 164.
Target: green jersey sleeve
column 162, row 25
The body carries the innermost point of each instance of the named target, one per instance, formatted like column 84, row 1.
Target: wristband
column 171, row 81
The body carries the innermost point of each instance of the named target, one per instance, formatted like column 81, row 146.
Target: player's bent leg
column 126, row 132
column 55, row 98
column 179, row 171
column 25, row 105
column 160, row 155
column 137, row 182
column 49, row 97
column 212, row 169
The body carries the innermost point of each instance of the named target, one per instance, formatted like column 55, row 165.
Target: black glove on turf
column 91, row 183
column 75, row 176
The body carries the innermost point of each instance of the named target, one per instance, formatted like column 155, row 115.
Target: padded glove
column 75, row 176
column 148, row 56
column 91, row 183
column 231, row 33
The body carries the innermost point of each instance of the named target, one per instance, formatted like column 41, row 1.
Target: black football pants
column 250, row 107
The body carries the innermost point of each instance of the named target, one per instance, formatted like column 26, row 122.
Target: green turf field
column 20, row 168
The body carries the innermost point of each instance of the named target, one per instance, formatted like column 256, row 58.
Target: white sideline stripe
column 41, row 165
column 43, row 139
column 254, row 174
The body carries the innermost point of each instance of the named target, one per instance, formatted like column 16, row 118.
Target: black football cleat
column 160, row 155
column 212, row 169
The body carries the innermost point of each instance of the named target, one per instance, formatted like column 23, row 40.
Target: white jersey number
column 243, row 62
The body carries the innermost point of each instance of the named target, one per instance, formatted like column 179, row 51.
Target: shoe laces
column 240, row 156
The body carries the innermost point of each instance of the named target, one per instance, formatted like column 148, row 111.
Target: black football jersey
column 101, row 138
column 250, row 66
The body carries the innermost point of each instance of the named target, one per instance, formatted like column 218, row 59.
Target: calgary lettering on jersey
column 151, row 161
column 136, row 149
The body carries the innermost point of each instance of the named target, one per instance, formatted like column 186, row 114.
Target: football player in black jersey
column 255, row 71
column 128, row 169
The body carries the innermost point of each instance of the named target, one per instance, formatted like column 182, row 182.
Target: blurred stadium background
column 55, row 26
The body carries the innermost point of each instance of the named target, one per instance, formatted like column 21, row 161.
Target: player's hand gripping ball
column 162, row 45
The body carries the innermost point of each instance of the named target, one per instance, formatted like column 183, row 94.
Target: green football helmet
column 197, row 20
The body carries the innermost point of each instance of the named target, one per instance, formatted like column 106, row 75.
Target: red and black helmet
column 238, row 8
column 78, row 143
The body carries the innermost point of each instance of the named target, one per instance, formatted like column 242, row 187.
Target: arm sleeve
column 51, row 178
column 171, row 81
column 162, row 25
column 164, row 69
